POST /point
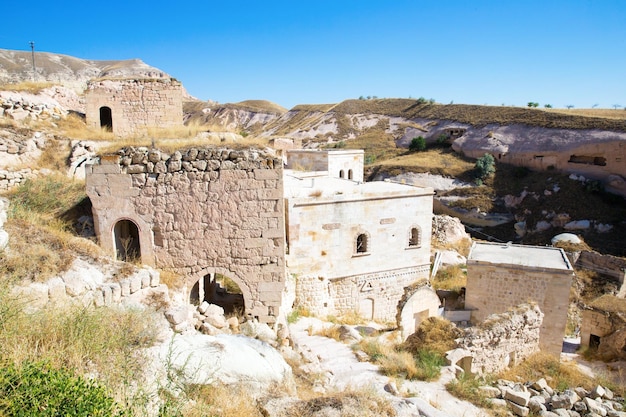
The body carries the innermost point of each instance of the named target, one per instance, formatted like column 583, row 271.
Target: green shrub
column 485, row 166
column 37, row 389
column 417, row 144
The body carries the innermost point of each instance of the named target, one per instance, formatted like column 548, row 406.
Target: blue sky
column 561, row 52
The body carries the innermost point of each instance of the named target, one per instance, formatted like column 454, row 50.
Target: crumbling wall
column 605, row 264
column 199, row 211
column 135, row 104
column 503, row 340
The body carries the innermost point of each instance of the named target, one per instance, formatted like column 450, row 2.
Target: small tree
column 617, row 106
column 533, row 104
column 570, row 106
column 485, row 166
column 417, row 144
column 547, row 106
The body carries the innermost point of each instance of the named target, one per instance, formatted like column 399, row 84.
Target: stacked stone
column 136, row 103
column 210, row 160
column 10, row 179
column 19, row 106
column 114, row 293
column 541, row 400
column 503, row 339
column 209, row 319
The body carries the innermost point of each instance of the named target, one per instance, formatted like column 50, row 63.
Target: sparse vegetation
column 485, row 166
column 417, row 144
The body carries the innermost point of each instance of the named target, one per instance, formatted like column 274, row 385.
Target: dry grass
column 451, row 277
column 618, row 114
column 438, row 161
column 332, row 332
column 560, row 375
column 435, row 334
column 348, row 403
column 219, row 400
column 26, row 87
column 102, row 342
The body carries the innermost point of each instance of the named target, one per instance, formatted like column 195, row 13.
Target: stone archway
column 106, row 118
column 126, row 239
column 221, row 288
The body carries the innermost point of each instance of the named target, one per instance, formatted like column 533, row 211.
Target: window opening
column 361, row 243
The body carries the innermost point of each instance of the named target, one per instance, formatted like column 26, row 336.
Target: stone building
column 201, row 213
column 131, row 106
column 604, row 327
column 209, row 213
column 355, row 246
column 502, row 276
column 346, row 164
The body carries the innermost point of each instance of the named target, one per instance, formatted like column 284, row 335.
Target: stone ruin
column 130, row 106
column 203, row 213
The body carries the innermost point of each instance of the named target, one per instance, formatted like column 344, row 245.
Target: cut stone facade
column 130, row 106
column 501, row 276
column 352, row 246
column 355, row 246
column 602, row 322
column 346, row 164
column 198, row 212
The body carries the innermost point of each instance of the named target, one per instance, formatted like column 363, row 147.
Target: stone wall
column 418, row 302
column 199, row 211
column 135, row 104
column 494, row 288
column 503, row 340
column 325, row 223
column 605, row 264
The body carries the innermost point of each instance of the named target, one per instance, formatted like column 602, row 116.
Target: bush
column 417, row 144
column 485, row 166
column 37, row 389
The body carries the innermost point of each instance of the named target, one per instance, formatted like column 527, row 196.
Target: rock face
column 16, row 66
column 228, row 359
column 448, row 230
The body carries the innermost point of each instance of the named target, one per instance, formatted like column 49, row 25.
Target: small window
column 361, row 243
column 414, row 238
column 341, row 174
column 349, row 174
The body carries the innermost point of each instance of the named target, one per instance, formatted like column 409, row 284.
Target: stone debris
column 537, row 397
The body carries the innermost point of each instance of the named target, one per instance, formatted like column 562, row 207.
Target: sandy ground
column 337, row 362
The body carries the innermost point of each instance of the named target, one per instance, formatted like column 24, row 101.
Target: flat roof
column 521, row 255
column 301, row 185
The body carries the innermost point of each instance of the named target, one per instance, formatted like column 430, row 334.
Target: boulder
column 228, row 359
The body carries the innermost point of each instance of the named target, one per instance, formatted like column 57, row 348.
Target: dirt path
column 341, row 370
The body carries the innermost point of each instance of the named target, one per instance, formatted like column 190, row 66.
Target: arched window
column 341, row 174
column 362, row 243
column 126, row 238
column 349, row 174
column 106, row 119
column 415, row 237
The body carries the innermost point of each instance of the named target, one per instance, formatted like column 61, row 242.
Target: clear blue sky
column 497, row 52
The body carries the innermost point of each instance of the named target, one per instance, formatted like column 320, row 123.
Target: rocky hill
column 17, row 66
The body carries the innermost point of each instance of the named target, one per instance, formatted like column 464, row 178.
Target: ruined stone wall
column 605, row 264
column 503, row 340
column 597, row 323
column 135, row 104
column 199, row 211
column 493, row 289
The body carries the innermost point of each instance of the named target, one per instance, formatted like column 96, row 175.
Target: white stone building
column 354, row 246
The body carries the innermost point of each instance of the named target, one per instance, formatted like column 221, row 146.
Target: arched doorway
column 106, row 119
column 126, row 238
column 220, row 290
